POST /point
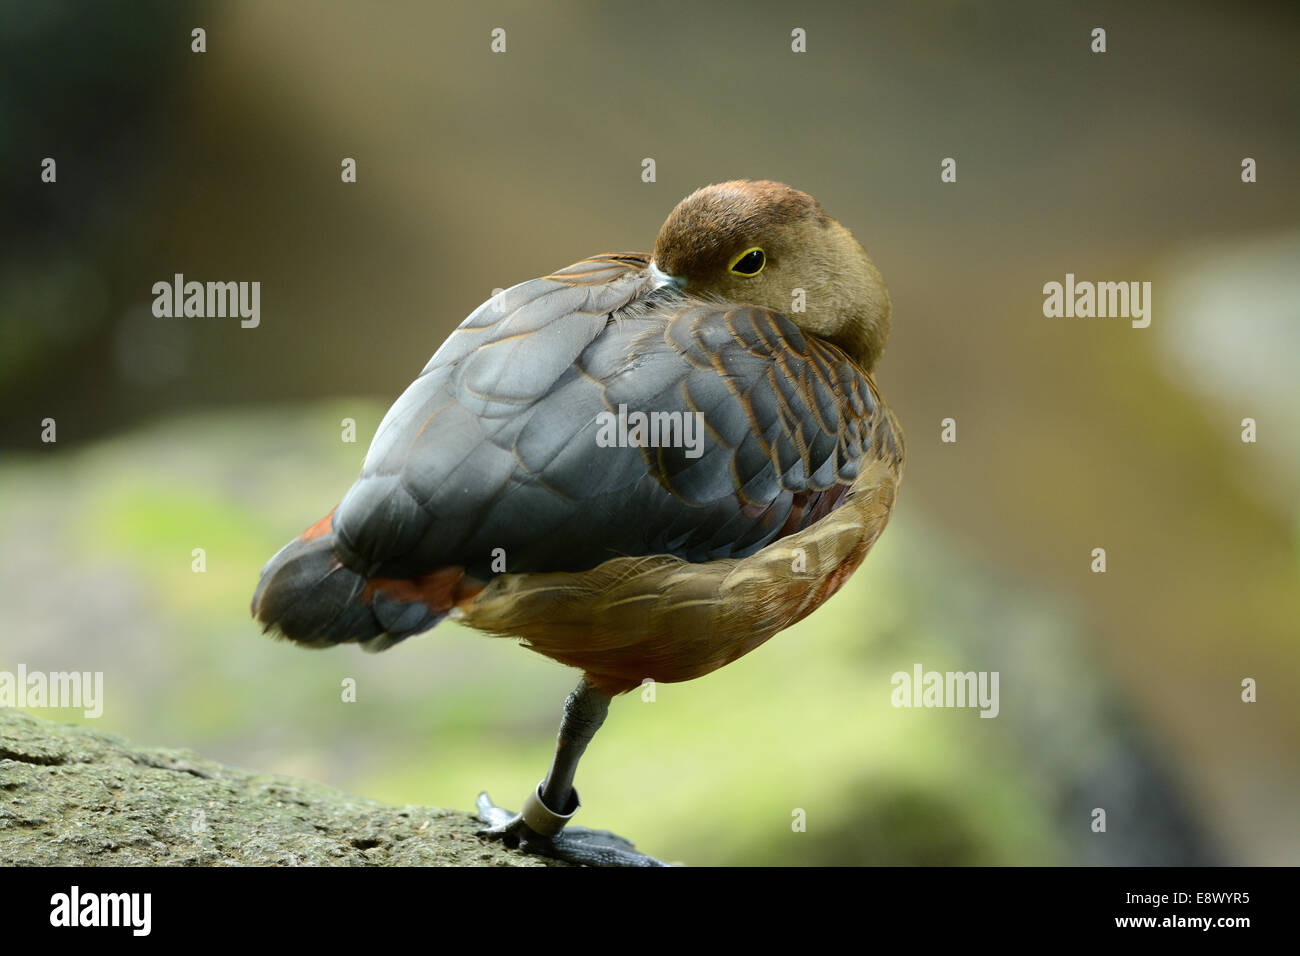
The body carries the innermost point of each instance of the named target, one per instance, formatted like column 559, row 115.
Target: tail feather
column 307, row 595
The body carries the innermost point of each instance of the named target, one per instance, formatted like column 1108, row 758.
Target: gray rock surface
column 73, row 796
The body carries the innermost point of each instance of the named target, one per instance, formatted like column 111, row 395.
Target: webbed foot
column 540, row 830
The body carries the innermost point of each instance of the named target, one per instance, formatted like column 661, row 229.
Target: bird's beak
column 662, row 278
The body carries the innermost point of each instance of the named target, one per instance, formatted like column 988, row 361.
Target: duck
column 505, row 490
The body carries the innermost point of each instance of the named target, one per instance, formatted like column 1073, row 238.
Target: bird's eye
column 749, row 263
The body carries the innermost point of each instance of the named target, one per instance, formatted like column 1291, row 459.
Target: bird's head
column 758, row 243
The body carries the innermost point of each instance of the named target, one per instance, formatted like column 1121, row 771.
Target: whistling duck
column 516, row 487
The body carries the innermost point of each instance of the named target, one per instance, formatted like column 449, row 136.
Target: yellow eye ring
column 749, row 263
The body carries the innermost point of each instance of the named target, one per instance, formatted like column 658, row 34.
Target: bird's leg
column 540, row 826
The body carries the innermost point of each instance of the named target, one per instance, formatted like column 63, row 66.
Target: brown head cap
column 760, row 243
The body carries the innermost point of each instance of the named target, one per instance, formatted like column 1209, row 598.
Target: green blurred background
column 478, row 170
